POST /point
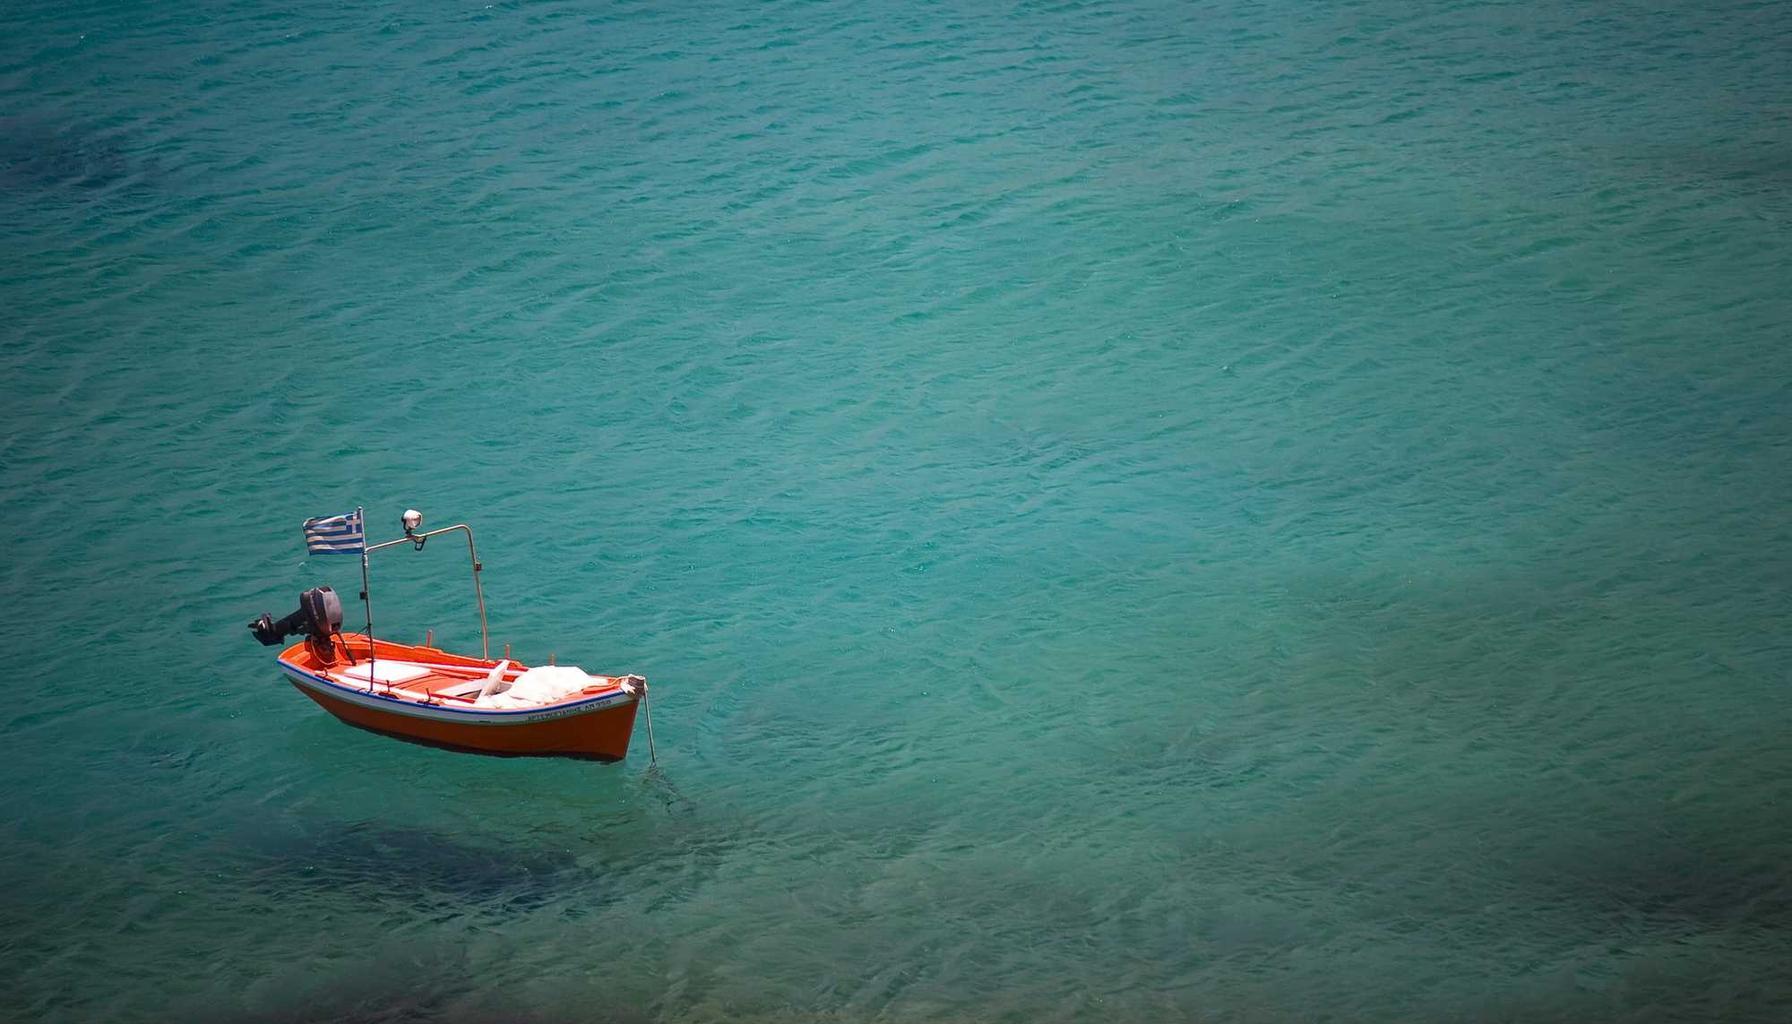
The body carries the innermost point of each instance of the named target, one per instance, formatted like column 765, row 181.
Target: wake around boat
column 427, row 695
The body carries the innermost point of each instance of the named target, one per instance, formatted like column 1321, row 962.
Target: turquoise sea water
column 1132, row 512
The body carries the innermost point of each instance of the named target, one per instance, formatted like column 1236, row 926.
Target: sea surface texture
column 1132, row 512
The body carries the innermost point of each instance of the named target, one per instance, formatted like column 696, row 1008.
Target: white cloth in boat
column 543, row 684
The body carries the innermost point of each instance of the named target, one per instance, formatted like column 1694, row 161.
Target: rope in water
column 653, row 756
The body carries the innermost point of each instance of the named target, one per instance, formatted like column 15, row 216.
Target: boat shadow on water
column 373, row 861
column 416, row 865
column 469, row 885
column 38, row 155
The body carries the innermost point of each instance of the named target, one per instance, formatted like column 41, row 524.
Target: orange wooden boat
column 427, row 695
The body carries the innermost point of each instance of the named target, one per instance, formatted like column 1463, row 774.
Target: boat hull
column 596, row 727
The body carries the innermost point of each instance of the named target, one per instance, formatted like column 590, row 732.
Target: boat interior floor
column 462, row 685
column 412, row 681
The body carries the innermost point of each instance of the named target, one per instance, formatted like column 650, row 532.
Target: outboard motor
column 319, row 617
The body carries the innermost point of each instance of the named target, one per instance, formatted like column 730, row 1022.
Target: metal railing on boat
column 413, row 519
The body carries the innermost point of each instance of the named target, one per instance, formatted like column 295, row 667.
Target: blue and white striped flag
column 336, row 535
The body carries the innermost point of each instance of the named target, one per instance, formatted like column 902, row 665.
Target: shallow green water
column 1131, row 512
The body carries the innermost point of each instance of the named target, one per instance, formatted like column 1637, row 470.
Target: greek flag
column 336, row 535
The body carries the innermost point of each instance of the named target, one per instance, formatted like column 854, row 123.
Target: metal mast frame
column 417, row 540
